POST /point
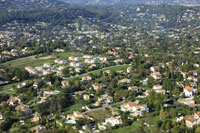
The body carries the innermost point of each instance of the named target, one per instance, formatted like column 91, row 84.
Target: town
column 129, row 68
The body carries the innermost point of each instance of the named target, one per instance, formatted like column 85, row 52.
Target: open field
column 33, row 61
column 75, row 107
column 100, row 114
column 97, row 72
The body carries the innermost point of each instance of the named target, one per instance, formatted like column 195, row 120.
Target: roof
column 188, row 88
column 190, row 118
column 197, row 113
column 131, row 104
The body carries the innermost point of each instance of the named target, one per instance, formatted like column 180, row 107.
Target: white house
column 74, row 64
column 90, row 61
column 155, row 68
column 156, row 75
column 47, row 65
column 74, row 58
column 189, row 91
column 134, row 108
column 62, row 68
column 156, row 87
column 88, row 56
column 113, row 121
column 103, row 58
column 60, row 61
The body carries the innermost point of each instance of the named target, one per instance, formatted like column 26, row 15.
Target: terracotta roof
column 190, row 118
column 131, row 104
column 197, row 113
column 188, row 88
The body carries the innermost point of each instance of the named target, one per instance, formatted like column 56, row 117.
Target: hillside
column 111, row 2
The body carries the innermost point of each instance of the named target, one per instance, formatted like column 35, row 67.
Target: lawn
column 75, row 107
column 97, row 72
column 100, row 115
column 134, row 126
column 33, row 61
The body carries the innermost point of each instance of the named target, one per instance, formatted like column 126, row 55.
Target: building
column 86, row 97
column 65, row 83
column 62, row 67
column 113, row 121
column 25, row 109
column 154, row 68
column 47, row 65
column 13, row 100
column 134, row 108
column 38, row 129
column 88, row 56
column 124, row 81
column 133, row 88
column 157, row 87
column 97, row 86
column 189, row 91
column 156, row 75
column 72, row 58
column 57, row 61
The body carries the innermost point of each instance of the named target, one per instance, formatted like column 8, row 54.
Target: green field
column 97, row 72
column 75, row 107
column 33, row 61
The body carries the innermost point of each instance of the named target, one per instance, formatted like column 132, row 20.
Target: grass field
column 100, row 115
column 134, row 126
column 33, row 61
column 75, row 107
column 97, row 72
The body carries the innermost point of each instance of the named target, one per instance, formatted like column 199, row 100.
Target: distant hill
column 111, row 2
column 30, row 4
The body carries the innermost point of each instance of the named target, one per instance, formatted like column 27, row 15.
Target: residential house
column 74, row 64
column 47, row 72
column 189, row 91
column 47, row 65
column 157, row 87
column 13, row 100
column 180, row 84
column 65, row 83
column 192, row 78
column 88, row 56
column 62, row 67
column 51, row 92
column 105, row 98
column 133, row 88
column 72, row 58
column 124, row 81
column 25, row 109
column 155, row 68
column 192, row 120
column 86, row 97
column 129, row 70
column 97, row 86
column 156, row 75
column 103, row 58
column 90, row 61
column 24, row 84
column 113, row 121
column 1, row 117
column 60, row 61
column 184, row 74
column 36, row 118
column 187, row 101
column 38, row 129
column 134, row 108
column 86, row 78
column 75, row 116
